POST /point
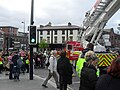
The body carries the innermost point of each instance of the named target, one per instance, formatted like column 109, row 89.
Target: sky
column 58, row 12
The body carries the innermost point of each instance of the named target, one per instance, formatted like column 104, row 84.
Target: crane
column 96, row 19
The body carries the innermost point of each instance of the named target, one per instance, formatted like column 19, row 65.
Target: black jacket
column 88, row 77
column 14, row 59
column 107, row 82
column 64, row 69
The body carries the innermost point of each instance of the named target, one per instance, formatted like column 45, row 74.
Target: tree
column 43, row 44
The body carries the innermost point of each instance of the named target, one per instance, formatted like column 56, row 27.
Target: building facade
column 9, row 30
column 57, row 36
column 1, row 40
column 110, row 39
column 11, row 35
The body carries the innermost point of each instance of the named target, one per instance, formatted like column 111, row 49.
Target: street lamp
column 24, row 44
column 24, row 25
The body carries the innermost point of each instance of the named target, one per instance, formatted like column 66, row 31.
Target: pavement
column 24, row 83
column 36, row 84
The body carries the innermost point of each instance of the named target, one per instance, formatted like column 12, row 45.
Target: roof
column 8, row 27
column 59, row 27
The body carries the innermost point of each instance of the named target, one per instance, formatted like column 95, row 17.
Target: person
column 81, row 59
column 111, row 80
column 16, row 68
column 79, row 65
column 11, row 65
column 88, row 77
column 27, row 62
column 64, row 69
column 52, row 69
column 90, row 47
column 1, row 64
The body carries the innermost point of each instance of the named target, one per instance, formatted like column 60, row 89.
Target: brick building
column 20, row 40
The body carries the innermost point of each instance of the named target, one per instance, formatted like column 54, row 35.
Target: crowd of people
column 61, row 69
column 92, row 78
column 14, row 63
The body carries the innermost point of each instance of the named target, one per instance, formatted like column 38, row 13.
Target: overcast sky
column 58, row 12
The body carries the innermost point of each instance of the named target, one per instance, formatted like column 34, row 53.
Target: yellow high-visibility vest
column 27, row 61
column 1, row 62
column 98, row 72
column 79, row 65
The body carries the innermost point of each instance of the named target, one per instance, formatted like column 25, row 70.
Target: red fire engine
column 73, row 49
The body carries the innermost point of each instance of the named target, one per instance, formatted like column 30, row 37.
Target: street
column 35, row 84
column 42, row 73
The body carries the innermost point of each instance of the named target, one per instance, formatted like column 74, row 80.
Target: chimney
column 41, row 26
column 69, row 24
column 49, row 24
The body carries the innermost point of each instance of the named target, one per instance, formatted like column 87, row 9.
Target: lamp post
column 24, row 25
column 24, row 44
column 31, row 46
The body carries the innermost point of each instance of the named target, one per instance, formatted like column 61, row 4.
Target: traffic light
column 11, row 42
column 32, row 35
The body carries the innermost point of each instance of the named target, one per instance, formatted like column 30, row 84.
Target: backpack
column 19, row 63
column 48, row 63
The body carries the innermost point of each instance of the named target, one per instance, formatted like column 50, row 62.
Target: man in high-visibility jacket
column 80, row 62
column 27, row 65
column 79, row 65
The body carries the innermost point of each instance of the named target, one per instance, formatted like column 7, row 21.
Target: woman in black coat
column 88, row 76
column 64, row 69
column 111, row 80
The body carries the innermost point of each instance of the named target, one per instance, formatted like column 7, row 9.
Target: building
column 9, row 30
column 110, row 39
column 56, row 36
column 1, row 40
column 12, row 36
column 21, row 40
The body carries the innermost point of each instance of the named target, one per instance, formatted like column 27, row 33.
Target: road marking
column 51, row 82
column 77, row 82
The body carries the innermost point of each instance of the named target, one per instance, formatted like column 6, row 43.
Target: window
column 63, row 39
column 48, row 32
column 71, row 38
column 71, row 31
column 48, row 39
column 41, row 38
column 55, row 39
column 41, row 32
column 55, row 32
column 63, row 31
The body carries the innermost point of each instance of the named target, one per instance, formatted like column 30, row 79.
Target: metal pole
column 7, row 44
column 24, row 26
column 32, row 11
column 31, row 47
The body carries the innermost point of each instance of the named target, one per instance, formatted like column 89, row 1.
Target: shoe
column 44, row 86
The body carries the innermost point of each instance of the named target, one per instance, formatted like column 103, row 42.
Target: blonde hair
column 90, row 56
column 89, row 53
